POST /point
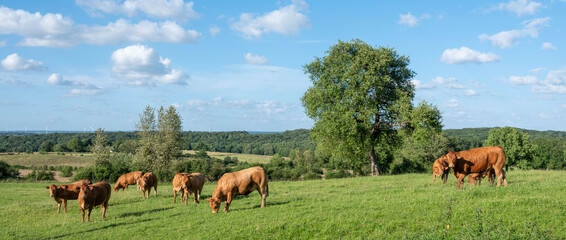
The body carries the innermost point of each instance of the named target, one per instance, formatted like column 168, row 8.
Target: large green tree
column 518, row 148
column 359, row 98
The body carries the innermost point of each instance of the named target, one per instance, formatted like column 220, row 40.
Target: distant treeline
column 550, row 152
column 234, row 142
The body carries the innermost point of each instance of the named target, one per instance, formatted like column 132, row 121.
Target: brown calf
column 127, row 179
column 147, row 181
column 92, row 195
column 194, row 185
column 440, row 169
column 242, row 182
column 62, row 193
column 180, row 185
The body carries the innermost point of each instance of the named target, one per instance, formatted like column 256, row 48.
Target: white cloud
column 80, row 89
column 452, row 103
column 519, row 7
column 286, row 20
column 54, row 30
column 14, row 62
column 265, row 107
column 523, row 80
column 555, row 83
column 470, row 92
column 140, row 65
column 450, row 82
column 467, row 55
column 214, row 30
column 507, row 39
column 165, row 9
column 57, row 79
column 408, row 20
column 548, row 46
column 537, row 70
column 420, row 85
column 84, row 92
column 255, row 59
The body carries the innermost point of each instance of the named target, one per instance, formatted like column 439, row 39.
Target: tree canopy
column 360, row 96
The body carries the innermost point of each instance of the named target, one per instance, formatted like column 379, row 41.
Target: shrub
column 337, row 174
column 40, row 175
column 7, row 171
column 66, row 171
column 312, row 176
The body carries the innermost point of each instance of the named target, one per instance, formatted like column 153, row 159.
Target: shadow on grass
column 267, row 204
column 137, row 214
column 100, row 228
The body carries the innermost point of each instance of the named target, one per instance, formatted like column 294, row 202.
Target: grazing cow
column 147, row 181
column 440, row 169
column 477, row 160
column 65, row 192
column 194, row 185
column 92, row 195
column 242, row 182
column 180, row 185
column 127, row 179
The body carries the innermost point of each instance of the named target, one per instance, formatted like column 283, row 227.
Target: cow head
column 85, row 191
column 143, row 182
column 214, row 204
column 52, row 190
column 450, row 158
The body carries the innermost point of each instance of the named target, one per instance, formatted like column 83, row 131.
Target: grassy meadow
column 49, row 159
column 409, row 206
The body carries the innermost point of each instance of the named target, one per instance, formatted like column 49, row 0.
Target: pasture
column 409, row 206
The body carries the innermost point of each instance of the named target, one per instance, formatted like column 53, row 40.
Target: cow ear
column 65, row 187
column 47, row 187
column 90, row 187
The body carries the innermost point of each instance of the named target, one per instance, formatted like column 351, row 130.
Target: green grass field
column 409, row 206
column 49, row 159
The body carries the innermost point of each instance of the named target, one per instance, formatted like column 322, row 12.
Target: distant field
column 86, row 159
column 50, row 159
column 388, row 207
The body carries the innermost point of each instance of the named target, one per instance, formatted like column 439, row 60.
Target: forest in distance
column 549, row 153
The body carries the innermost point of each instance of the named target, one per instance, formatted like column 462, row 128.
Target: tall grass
column 388, row 207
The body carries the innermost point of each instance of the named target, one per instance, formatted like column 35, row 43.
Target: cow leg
column 461, row 180
column 58, row 207
column 228, row 201
column 499, row 174
column 445, row 178
column 83, row 213
column 65, row 205
column 155, row 188
column 263, row 196
column 88, row 215
column 174, row 196
column 433, row 178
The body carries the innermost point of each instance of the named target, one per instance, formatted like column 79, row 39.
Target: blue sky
column 237, row 65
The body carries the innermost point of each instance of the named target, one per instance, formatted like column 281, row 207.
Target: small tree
column 101, row 148
column 518, row 148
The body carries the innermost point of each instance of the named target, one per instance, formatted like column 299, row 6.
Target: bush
column 7, row 171
column 337, row 174
column 312, row 176
column 40, row 175
column 66, row 171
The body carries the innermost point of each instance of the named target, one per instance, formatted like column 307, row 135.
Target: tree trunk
column 373, row 162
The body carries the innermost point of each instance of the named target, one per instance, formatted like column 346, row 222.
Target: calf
column 440, row 169
column 180, row 185
column 62, row 193
column 147, row 181
column 194, row 185
column 92, row 195
column 242, row 182
column 127, row 179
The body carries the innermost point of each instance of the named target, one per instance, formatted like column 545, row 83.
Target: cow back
column 480, row 159
column 196, row 182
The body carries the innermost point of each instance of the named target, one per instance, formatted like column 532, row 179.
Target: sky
column 238, row 65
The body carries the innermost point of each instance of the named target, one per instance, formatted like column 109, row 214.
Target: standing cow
column 127, row 179
column 180, row 185
column 92, row 195
column 242, row 182
column 440, row 169
column 194, row 186
column 147, row 181
column 65, row 192
column 478, row 161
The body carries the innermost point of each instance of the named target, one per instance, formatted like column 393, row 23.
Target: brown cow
column 477, row 160
column 440, row 169
column 92, row 195
column 242, row 182
column 147, row 181
column 127, row 179
column 65, row 192
column 194, row 185
column 180, row 185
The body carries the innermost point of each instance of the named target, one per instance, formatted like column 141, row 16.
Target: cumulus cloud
column 523, row 80
column 408, row 20
column 266, row 107
column 165, row 9
column 450, row 82
column 140, row 65
column 57, row 79
column 548, row 46
column 420, row 85
column 14, row 62
column 555, row 82
column 255, row 59
column 214, row 30
column 466, row 55
column 507, row 39
column 519, row 7
column 54, row 30
column 286, row 20
column 79, row 88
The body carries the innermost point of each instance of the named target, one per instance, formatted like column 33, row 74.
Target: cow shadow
column 140, row 213
column 78, row 234
column 255, row 206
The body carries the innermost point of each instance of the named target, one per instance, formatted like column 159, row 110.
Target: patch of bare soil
column 58, row 177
